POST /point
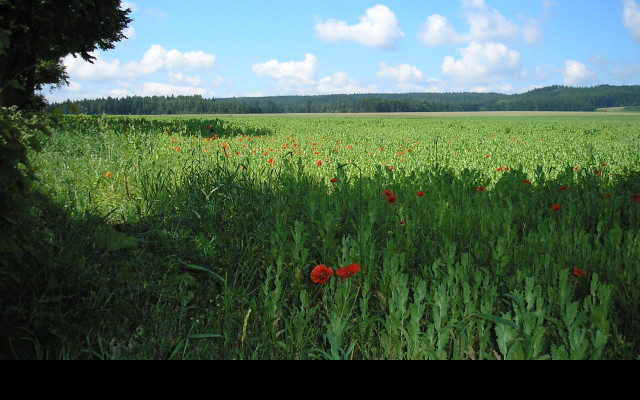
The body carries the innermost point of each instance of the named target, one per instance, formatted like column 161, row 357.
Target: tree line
column 551, row 98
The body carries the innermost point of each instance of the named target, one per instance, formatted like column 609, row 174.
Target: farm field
column 334, row 237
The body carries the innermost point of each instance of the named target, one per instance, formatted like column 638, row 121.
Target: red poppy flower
column 319, row 163
column 555, row 207
column 420, row 193
column 348, row 271
column 527, row 181
column 321, row 274
column 334, row 180
column 563, row 188
column 578, row 272
column 387, row 193
column 108, row 174
column 391, row 199
column 481, row 189
column 635, row 198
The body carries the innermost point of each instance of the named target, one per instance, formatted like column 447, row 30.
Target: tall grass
column 195, row 239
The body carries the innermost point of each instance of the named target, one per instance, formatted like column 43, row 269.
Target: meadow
column 334, row 237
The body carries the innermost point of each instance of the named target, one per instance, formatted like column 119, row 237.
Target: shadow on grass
column 202, row 250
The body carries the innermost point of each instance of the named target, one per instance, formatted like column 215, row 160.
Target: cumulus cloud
column 489, row 25
column 631, row 18
column 290, row 74
column 483, row 63
column 404, row 73
column 342, row 83
column 485, row 25
column 300, row 77
column 378, row 28
column 157, row 58
column 577, row 74
column 438, row 30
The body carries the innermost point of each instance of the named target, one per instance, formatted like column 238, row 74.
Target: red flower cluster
column 635, row 198
column 391, row 198
column 578, row 272
column 322, row 273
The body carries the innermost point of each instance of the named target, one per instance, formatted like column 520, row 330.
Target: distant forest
column 552, row 98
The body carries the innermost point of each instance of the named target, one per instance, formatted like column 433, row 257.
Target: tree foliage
column 553, row 98
column 35, row 35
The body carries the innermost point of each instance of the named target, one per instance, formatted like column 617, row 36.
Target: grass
column 200, row 241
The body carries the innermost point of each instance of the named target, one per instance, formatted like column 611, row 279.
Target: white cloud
column 628, row 74
column 163, row 89
column 483, row 63
column 631, row 18
column 158, row 58
column 404, row 73
column 342, row 83
column 155, row 59
column 438, row 30
column 577, row 74
column 485, row 25
column 489, row 25
column 379, row 28
column 291, row 74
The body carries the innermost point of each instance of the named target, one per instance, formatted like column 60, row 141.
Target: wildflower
column 178, row 149
column 635, row 198
column 598, row 173
column 387, row 193
column 499, row 169
column 391, row 199
column 348, row 271
column 334, row 180
column 527, row 181
column 270, row 161
column 578, row 272
column 390, row 168
column 420, row 193
column 563, row 188
column 403, row 222
column 555, row 207
column 321, row 274
column 481, row 189
column 319, row 163
column 108, row 174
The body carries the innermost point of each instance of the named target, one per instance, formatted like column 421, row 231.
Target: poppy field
column 333, row 237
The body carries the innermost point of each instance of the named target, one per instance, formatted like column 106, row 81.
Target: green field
column 507, row 237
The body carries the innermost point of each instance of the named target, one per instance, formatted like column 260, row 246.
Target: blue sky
column 239, row 48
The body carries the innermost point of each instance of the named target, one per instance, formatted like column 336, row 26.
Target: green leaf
column 199, row 268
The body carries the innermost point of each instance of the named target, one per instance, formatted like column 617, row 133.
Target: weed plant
column 193, row 238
